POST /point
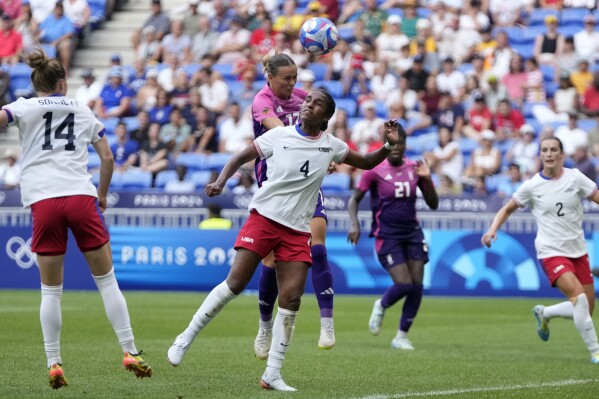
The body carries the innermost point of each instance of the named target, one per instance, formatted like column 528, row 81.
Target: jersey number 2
column 68, row 123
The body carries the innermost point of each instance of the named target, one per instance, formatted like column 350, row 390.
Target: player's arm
column 106, row 167
column 503, row 214
column 595, row 197
column 271, row 123
column 352, row 206
column 426, row 184
column 4, row 118
column 248, row 154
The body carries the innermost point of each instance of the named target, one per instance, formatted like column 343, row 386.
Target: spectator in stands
column 479, row 118
column 181, row 89
column 478, row 70
column 159, row 20
column 176, row 43
column 204, row 139
column 149, row 47
column 403, row 61
column 373, row 18
column 551, row 4
column 124, row 149
column 90, row 90
column 259, row 15
column 190, row 18
column 589, row 4
column 568, row 60
column 507, row 121
column 564, row 101
column 59, row 31
column 447, row 159
column 166, row 75
column 505, row 13
column 4, row 85
column 246, row 184
column 494, row 92
column 586, row 42
column 524, row 152
column 262, row 39
column 583, row 162
column 515, row 79
column 382, row 82
column 244, row 94
column 12, row 8
column 161, row 112
column 115, row 98
column 10, row 171
column 203, row 41
column 235, row 132
column 230, row 43
column 473, row 18
column 449, row 188
column 290, row 21
column 402, row 94
column 214, row 91
column 215, row 221
column 79, row 13
column 486, row 159
column 306, row 80
column 418, row 76
column 180, row 186
column 430, row 60
column 582, row 77
column 153, row 154
column 331, row 9
column 391, row 40
column 27, row 27
column 593, row 138
column 11, row 42
column 177, row 133
column 367, row 130
column 589, row 104
column 41, row 9
column 430, row 97
column 339, row 61
column 449, row 115
column 508, row 187
column 549, row 46
column 221, row 20
column 451, row 80
column 424, row 36
column 189, row 111
column 471, row 90
column 147, row 95
column 571, row 135
column 141, row 132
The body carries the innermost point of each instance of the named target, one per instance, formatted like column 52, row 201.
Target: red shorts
column 262, row 235
column 53, row 217
column 558, row 265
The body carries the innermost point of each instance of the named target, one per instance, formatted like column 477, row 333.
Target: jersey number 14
column 68, row 123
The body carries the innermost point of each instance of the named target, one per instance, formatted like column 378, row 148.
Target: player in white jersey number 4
column 554, row 196
column 280, row 212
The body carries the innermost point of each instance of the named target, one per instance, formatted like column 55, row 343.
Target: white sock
column 562, row 309
column 282, row 331
column 265, row 325
column 116, row 310
column 212, row 305
column 51, row 319
column 401, row 334
column 584, row 323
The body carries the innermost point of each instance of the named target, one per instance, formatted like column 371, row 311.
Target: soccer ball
column 318, row 36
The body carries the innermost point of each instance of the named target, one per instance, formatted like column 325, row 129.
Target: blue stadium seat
column 492, row 182
column 530, row 34
column 467, row 146
column 49, row 49
column 20, row 81
column 192, row 162
column 132, row 123
column 525, row 50
column 115, row 182
column 348, row 105
column 109, row 124
column 573, row 16
column 319, row 70
column 587, row 124
column 381, row 109
column 538, row 15
column 336, row 182
column 569, row 30
column 548, row 72
column 424, row 12
column 259, row 84
column 136, row 179
column 98, row 12
column 351, row 121
column 235, row 86
column 413, row 146
column 551, row 88
column 395, row 11
column 465, row 67
column 201, row 177
column 514, row 34
column 93, row 160
column 334, row 87
column 192, row 68
column 429, row 141
column 346, row 33
column 165, row 176
column 527, row 108
column 225, row 70
column 217, row 161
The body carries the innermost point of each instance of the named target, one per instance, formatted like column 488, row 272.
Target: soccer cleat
column 135, row 363
column 595, row 358
column 327, row 333
column 262, row 343
column 376, row 317
column 275, row 383
column 177, row 351
column 542, row 322
column 402, row 343
column 56, row 376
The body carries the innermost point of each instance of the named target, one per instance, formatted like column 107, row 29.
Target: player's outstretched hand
column 213, row 189
column 392, row 129
column 422, row 168
column 488, row 238
column 353, row 235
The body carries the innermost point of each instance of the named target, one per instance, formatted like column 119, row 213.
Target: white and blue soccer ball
column 318, row 36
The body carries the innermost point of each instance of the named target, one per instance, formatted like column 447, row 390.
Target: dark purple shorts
column 392, row 252
column 320, row 212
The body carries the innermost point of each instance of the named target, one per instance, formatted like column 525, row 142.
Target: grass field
column 465, row 348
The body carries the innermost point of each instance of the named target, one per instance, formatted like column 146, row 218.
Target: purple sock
column 322, row 280
column 395, row 293
column 267, row 292
column 410, row 308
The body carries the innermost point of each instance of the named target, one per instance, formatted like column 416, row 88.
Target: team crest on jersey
column 265, row 111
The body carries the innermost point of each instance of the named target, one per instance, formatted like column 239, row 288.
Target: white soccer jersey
column 556, row 206
column 296, row 166
column 54, row 132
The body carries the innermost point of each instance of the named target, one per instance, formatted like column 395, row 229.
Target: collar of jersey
column 55, row 95
column 303, row 134
column 552, row 178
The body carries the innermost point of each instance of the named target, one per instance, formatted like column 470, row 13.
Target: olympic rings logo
column 20, row 250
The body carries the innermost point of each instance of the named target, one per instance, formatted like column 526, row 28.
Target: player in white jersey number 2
column 280, row 212
column 54, row 133
column 554, row 196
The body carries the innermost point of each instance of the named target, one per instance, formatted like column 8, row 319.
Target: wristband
column 389, row 146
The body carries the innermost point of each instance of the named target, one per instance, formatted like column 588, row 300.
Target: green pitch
column 465, row 348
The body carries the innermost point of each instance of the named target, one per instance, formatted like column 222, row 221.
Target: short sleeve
column 522, row 196
column 586, row 187
column 366, row 180
column 98, row 129
column 340, row 149
column 15, row 110
column 265, row 143
column 263, row 107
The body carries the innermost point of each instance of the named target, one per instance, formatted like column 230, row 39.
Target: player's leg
column 322, row 279
column 267, row 295
column 49, row 242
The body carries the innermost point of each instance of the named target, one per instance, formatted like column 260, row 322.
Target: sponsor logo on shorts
column 389, row 259
column 559, row 268
column 247, row 239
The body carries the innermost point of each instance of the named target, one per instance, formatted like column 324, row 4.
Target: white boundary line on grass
column 482, row 389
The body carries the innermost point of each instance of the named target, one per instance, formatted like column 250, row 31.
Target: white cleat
column 177, row 351
column 327, row 333
column 595, row 358
column 275, row 383
column 376, row 317
column 262, row 342
column 402, row 343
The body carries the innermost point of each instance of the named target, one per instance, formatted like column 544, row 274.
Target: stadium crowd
column 476, row 83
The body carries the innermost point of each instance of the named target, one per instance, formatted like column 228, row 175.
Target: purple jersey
column 267, row 105
column 393, row 199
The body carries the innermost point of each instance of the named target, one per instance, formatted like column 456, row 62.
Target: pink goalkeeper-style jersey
column 267, row 105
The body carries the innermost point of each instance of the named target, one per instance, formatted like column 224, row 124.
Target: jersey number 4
column 68, row 123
